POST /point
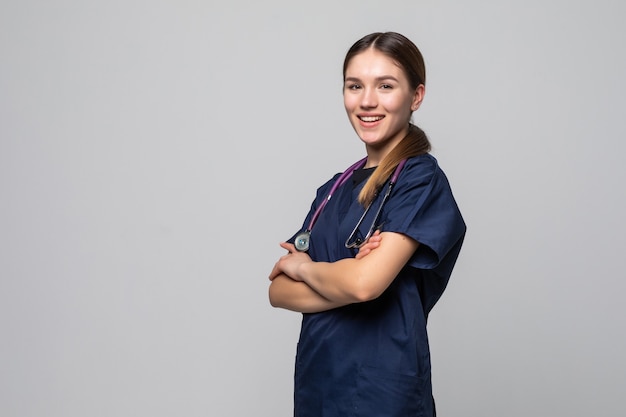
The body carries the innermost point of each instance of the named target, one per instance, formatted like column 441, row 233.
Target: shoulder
column 425, row 162
column 324, row 189
column 423, row 175
column 421, row 169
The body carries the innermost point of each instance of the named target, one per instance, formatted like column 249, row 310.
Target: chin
column 372, row 140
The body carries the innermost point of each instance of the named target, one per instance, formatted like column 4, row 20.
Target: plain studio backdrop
column 154, row 153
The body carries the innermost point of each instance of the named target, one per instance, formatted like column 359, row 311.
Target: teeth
column 371, row 118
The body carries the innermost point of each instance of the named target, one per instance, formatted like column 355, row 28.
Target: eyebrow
column 379, row 79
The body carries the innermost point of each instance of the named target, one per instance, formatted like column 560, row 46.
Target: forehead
column 373, row 63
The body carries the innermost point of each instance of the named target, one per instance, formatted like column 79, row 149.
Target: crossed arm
column 300, row 284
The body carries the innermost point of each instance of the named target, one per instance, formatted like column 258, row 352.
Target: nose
column 369, row 99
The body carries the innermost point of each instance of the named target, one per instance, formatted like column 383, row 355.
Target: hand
column 289, row 264
column 372, row 243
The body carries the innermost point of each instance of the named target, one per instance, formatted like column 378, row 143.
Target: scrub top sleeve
column 422, row 207
column 322, row 193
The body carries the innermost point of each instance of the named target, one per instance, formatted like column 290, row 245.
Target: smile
column 370, row 119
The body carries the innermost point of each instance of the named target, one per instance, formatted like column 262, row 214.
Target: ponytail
column 413, row 144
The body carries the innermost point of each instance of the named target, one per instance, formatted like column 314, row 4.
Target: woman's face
column 379, row 100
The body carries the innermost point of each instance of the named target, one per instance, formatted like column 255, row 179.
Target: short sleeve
column 423, row 207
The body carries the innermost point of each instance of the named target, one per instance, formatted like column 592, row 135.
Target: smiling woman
column 363, row 348
column 379, row 100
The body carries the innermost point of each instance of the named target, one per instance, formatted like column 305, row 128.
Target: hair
column 408, row 57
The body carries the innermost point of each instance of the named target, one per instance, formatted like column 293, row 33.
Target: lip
column 370, row 120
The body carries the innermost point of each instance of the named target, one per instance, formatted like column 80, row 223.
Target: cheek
column 349, row 102
column 398, row 105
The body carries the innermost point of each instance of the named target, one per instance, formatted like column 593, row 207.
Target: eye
column 386, row 86
column 353, row 86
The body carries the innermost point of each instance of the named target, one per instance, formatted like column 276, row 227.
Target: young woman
column 363, row 348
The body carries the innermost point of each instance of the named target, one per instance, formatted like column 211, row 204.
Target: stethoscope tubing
column 340, row 181
column 358, row 242
column 302, row 239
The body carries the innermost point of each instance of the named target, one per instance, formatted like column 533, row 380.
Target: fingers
column 275, row 272
column 366, row 249
column 372, row 243
column 288, row 246
column 279, row 267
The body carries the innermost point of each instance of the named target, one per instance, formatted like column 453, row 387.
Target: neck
column 372, row 161
column 376, row 155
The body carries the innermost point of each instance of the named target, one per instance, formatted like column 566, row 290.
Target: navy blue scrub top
column 372, row 358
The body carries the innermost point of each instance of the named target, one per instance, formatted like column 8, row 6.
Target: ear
column 418, row 97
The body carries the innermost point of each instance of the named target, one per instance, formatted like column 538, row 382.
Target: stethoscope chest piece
column 302, row 241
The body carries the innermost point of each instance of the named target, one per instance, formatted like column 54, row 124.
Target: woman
column 363, row 348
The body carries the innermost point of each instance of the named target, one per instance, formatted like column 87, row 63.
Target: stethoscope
column 303, row 239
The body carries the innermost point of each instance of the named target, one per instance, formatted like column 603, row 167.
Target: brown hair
column 408, row 57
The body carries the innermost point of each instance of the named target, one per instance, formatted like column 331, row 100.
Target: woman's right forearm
column 297, row 296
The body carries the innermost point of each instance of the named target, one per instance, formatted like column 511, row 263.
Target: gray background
column 154, row 153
